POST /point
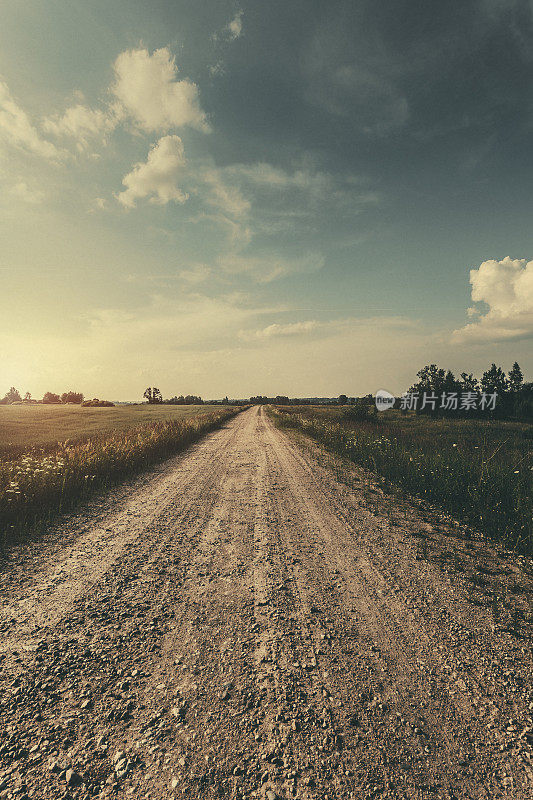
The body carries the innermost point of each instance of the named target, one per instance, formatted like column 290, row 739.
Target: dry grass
column 46, row 426
column 479, row 471
column 41, row 483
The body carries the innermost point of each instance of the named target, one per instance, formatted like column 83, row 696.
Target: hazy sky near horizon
column 260, row 198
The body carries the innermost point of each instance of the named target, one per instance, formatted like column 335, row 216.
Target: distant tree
column 27, row 396
column 364, row 409
column 153, row 395
column 50, row 397
column 72, row 397
column 450, row 384
column 432, row 382
column 494, row 380
column 13, row 396
column 468, row 383
column 524, row 402
column 515, row 378
column 342, row 400
column 431, row 379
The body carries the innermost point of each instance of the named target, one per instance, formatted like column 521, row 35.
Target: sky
column 241, row 198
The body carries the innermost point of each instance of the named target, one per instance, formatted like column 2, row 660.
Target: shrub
column 96, row 403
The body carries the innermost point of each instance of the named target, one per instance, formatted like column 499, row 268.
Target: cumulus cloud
column 17, row 129
column 157, row 177
column 506, row 288
column 147, row 88
column 81, row 123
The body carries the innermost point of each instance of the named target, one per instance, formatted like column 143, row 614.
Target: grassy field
column 53, row 473
column 480, row 471
column 23, row 427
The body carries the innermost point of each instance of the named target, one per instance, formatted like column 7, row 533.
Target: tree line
column 14, row 396
column 153, row 395
column 513, row 398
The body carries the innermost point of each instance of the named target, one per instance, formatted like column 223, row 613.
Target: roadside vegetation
column 42, row 482
column 478, row 470
column 47, row 427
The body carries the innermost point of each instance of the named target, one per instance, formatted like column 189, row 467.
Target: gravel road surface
column 254, row 619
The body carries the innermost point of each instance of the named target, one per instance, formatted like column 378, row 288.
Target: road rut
column 252, row 619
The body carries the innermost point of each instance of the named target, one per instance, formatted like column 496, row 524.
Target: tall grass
column 40, row 484
column 476, row 471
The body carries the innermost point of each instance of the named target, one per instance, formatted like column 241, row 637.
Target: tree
column 153, row 395
column 468, row 383
column 50, row 397
column 13, row 396
column 515, row 378
column 433, row 381
column 72, row 397
column 450, row 384
column 494, row 380
column 342, row 400
column 27, row 396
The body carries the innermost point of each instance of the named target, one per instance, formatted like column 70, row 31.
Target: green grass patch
column 479, row 471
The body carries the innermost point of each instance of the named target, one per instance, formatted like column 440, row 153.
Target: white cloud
column 198, row 273
column 17, row 129
column 98, row 204
column 147, row 88
column 24, row 192
column 222, row 195
column 317, row 186
column 506, row 287
column 157, row 177
column 262, row 173
column 289, row 329
column 234, row 28
column 265, row 269
column 81, row 123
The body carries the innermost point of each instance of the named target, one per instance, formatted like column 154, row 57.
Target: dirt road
column 248, row 621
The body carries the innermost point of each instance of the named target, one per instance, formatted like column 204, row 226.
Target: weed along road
column 251, row 619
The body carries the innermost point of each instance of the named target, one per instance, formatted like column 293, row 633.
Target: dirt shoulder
column 250, row 621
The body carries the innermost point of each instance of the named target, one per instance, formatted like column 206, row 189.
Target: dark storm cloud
column 339, row 78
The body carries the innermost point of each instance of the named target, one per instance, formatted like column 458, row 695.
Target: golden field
column 23, row 427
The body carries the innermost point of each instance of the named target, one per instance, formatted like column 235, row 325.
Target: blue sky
column 240, row 198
